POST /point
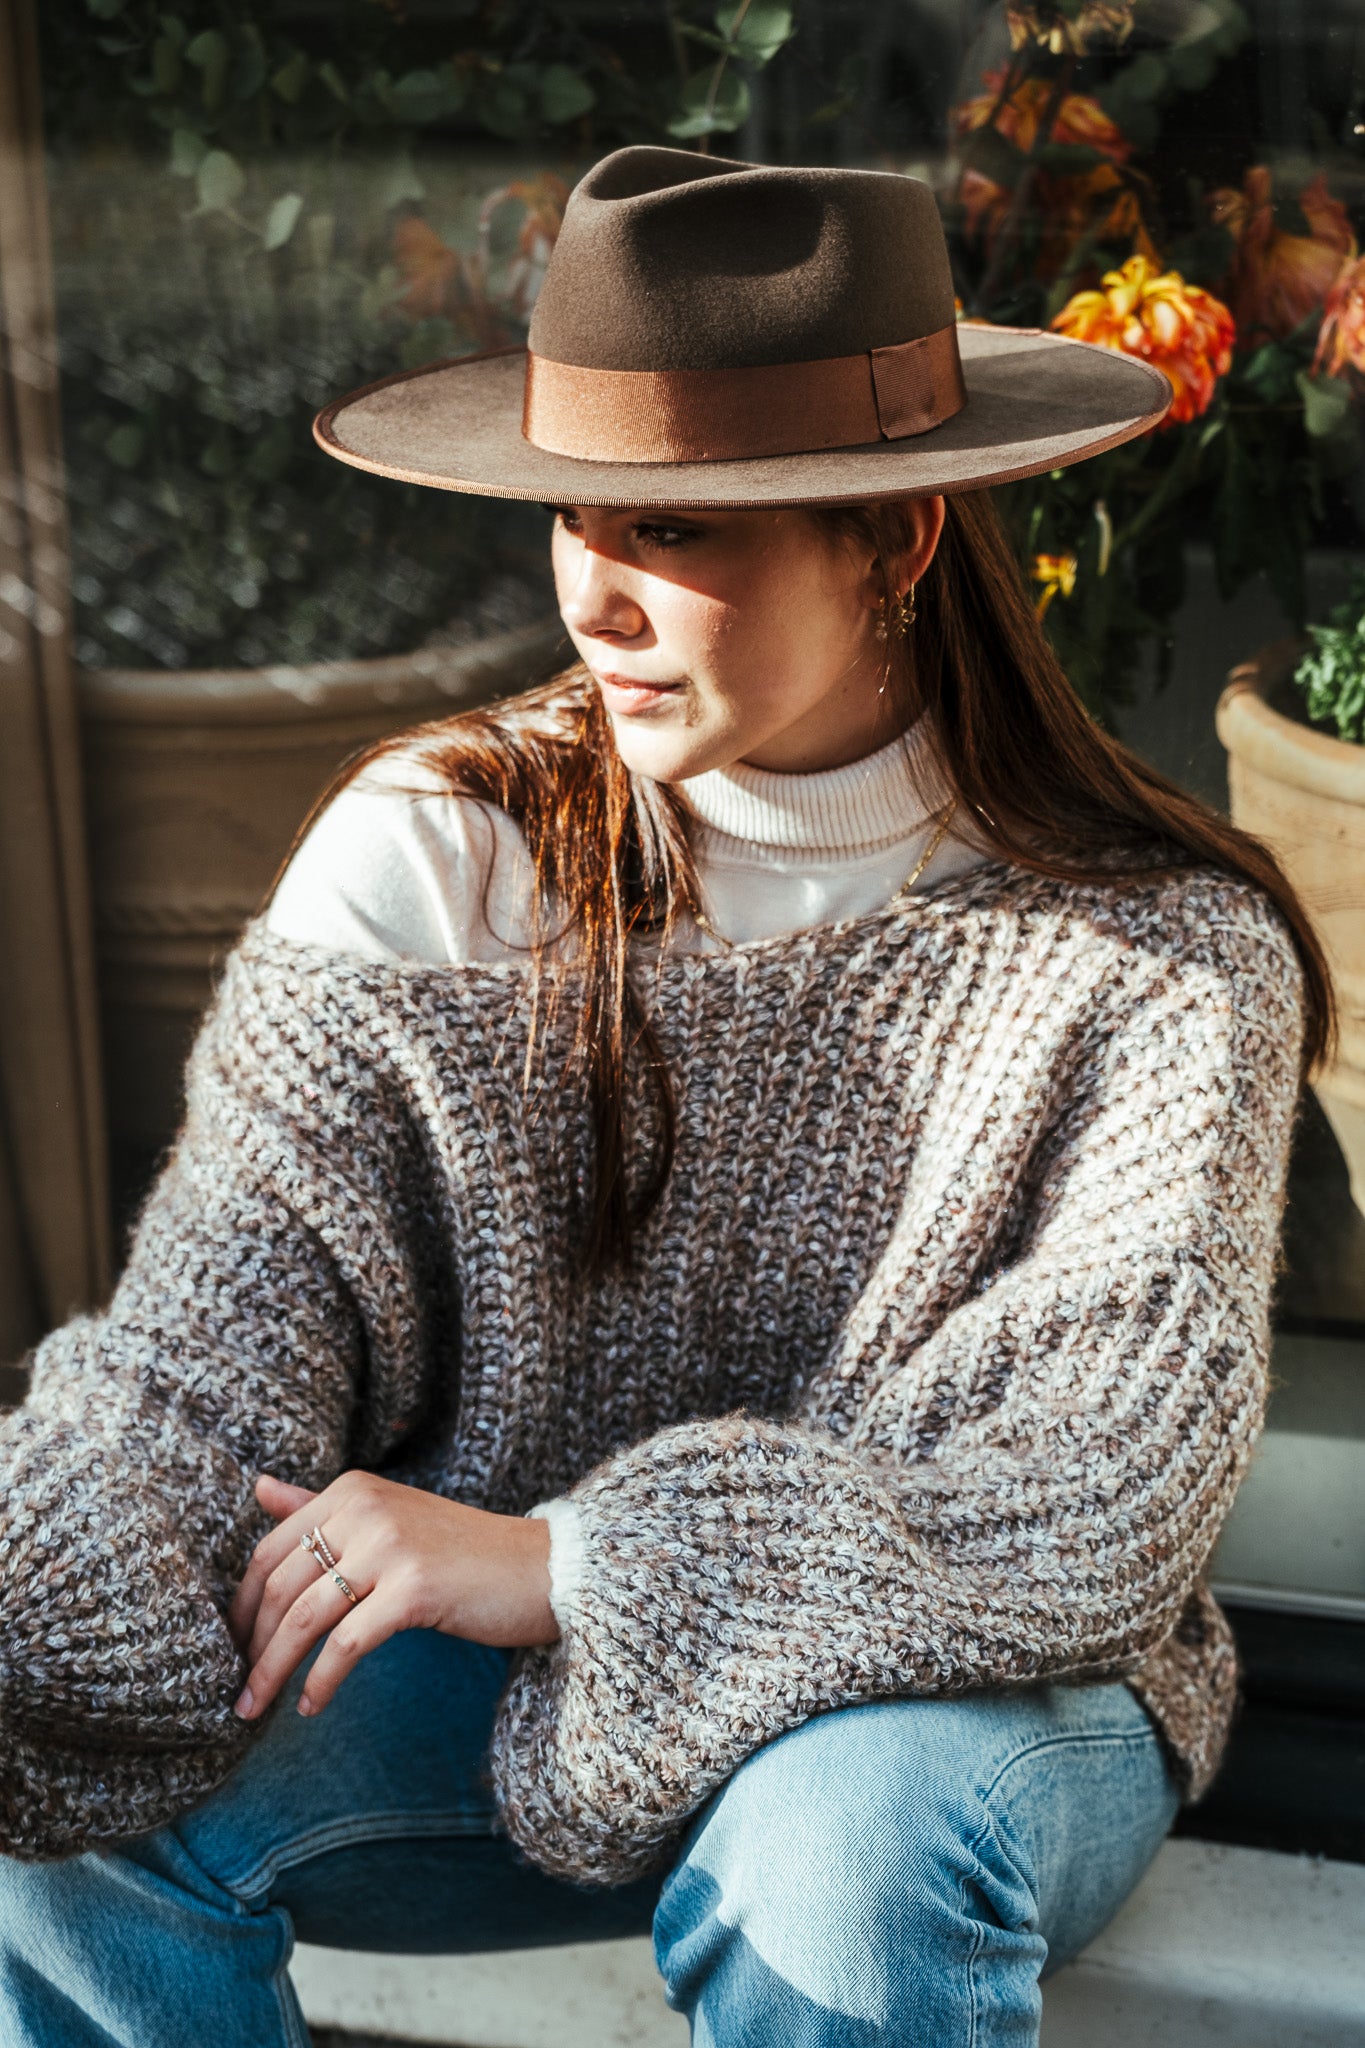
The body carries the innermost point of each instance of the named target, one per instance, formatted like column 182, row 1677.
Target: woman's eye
column 649, row 533
column 655, row 534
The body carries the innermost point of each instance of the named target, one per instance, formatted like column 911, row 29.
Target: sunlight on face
column 725, row 636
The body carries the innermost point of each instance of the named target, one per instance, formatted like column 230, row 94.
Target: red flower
column 1277, row 279
column 1341, row 341
column 1069, row 203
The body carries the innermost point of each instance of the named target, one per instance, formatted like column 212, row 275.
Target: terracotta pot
column 1303, row 793
column 196, row 783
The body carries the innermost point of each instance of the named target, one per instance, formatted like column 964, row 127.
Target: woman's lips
column 625, row 694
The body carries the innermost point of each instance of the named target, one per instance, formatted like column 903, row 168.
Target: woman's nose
column 595, row 602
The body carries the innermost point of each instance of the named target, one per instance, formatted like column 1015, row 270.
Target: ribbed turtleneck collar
column 869, row 803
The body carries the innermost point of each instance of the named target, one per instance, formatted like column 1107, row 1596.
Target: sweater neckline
column 861, row 808
column 978, row 887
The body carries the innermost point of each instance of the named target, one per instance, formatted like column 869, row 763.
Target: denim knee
column 130, row 1947
column 829, row 1893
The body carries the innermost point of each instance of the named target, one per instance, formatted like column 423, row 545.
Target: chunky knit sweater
column 399, row 867
column 937, row 1367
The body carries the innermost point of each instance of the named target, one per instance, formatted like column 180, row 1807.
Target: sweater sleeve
column 232, row 1344
column 1032, row 1492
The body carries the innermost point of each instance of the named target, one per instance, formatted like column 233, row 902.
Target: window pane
column 255, row 207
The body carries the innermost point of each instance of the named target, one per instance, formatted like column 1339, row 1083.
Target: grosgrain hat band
column 880, row 394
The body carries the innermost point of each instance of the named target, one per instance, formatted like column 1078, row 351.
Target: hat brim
column 1035, row 401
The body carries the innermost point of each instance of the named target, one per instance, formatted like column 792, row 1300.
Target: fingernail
column 305, row 1705
column 245, row 1703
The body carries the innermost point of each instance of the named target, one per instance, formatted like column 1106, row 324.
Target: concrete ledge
column 601, row 1994
column 1217, row 1948
column 1229, row 1946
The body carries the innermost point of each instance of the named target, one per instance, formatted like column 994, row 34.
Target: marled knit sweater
column 938, row 1366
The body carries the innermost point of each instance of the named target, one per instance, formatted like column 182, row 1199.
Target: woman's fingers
column 300, row 1509
column 279, row 1496
column 315, row 1611
column 370, row 1622
column 293, row 1575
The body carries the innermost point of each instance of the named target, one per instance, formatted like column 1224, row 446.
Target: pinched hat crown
column 672, row 261
column 720, row 333
column 696, row 309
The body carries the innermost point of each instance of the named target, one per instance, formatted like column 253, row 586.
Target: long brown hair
column 1045, row 786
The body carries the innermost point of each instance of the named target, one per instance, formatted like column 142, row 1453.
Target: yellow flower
column 1050, row 29
column 1142, row 311
column 1056, row 574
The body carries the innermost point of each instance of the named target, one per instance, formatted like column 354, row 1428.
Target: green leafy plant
column 1331, row 676
column 249, row 218
column 716, row 100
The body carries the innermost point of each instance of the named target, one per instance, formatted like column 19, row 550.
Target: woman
column 750, row 1178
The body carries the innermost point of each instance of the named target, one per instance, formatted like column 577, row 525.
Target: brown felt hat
column 720, row 333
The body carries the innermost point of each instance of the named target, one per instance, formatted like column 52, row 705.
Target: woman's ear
column 908, row 564
column 927, row 515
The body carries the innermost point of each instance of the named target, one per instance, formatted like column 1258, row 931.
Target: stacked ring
column 315, row 1543
column 317, row 1546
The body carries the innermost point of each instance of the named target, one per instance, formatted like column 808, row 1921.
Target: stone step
column 1236, row 1947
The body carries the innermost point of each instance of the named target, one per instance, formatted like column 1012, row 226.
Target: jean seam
column 974, row 1851
column 343, row 1834
column 1082, row 1739
column 1089, row 1739
column 286, row 1998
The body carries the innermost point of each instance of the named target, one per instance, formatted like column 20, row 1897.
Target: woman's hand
column 414, row 1560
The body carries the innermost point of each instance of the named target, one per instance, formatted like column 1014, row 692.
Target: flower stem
column 1009, row 226
column 713, row 90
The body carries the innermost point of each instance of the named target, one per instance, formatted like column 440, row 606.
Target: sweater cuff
column 567, row 1555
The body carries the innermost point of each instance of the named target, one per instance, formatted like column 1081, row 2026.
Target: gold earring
column 895, row 615
column 902, row 612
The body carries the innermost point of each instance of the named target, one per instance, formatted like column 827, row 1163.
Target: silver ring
column 315, row 1543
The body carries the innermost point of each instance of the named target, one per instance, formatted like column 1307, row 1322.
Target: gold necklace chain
column 704, row 924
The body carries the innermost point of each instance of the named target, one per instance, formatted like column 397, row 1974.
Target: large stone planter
column 1303, row 793
column 196, row 783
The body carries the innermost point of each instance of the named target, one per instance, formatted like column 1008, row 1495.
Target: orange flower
column 1277, row 279
column 1057, row 575
column 1068, row 203
column 429, row 269
column 1341, row 341
column 1079, row 118
column 1154, row 314
column 544, row 199
column 1051, row 30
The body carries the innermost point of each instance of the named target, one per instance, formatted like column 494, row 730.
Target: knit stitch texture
column 938, row 1366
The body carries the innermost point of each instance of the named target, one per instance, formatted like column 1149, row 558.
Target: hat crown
column 669, row 260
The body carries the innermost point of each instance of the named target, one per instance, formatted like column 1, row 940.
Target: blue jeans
column 896, row 1873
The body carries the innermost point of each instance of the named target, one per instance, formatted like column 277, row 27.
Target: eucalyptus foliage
column 256, row 207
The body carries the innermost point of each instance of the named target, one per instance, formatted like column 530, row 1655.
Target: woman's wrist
column 542, row 1619
column 567, row 1554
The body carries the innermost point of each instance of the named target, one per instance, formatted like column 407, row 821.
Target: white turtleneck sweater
column 395, row 874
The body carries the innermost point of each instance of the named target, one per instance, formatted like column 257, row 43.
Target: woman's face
column 725, row 636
